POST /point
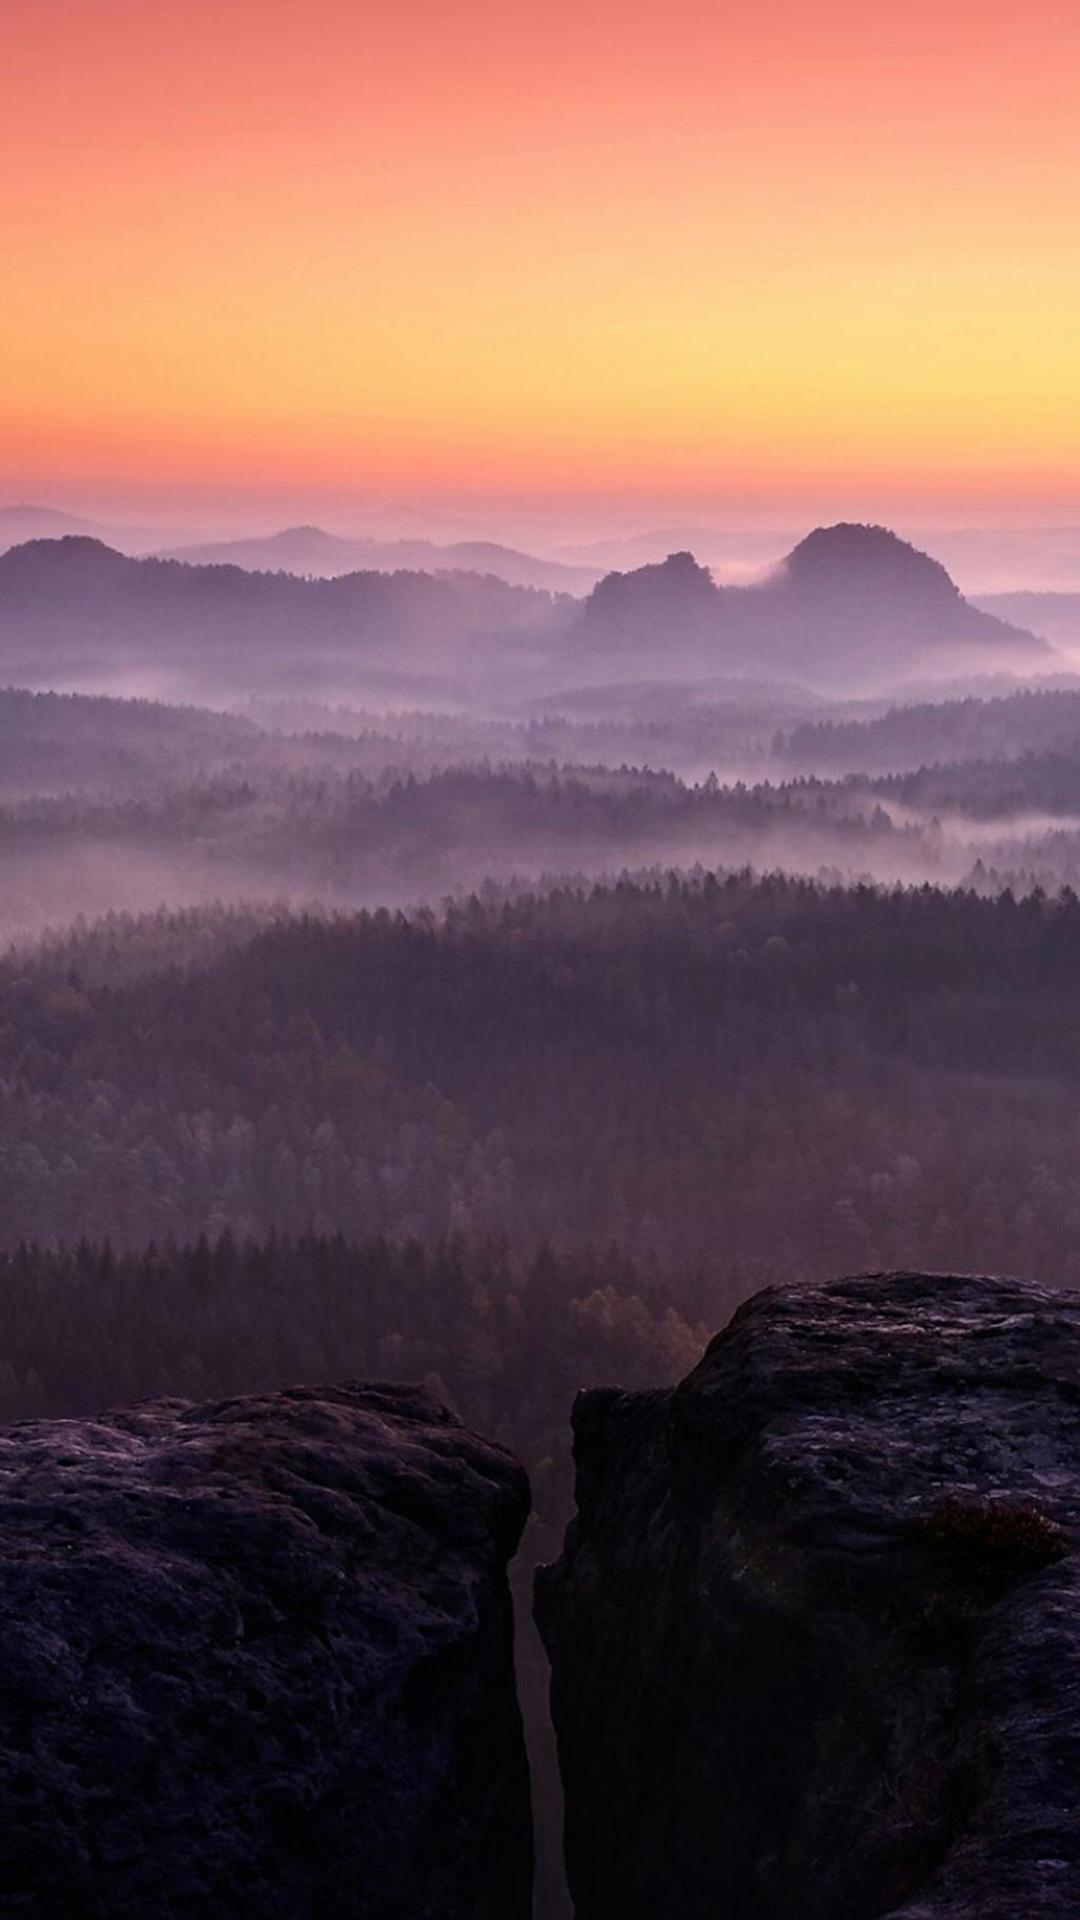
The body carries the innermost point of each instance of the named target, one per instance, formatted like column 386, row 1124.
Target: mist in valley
column 494, row 980
column 416, row 750
column 539, row 962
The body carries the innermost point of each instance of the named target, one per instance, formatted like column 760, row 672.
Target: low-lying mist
column 308, row 855
column 492, row 977
column 125, row 806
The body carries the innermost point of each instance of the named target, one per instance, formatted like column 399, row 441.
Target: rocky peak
column 671, row 588
column 852, row 547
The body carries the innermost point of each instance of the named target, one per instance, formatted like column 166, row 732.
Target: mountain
column 19, row 524
column 293, row 550
column 731, row 553
column 850, row 603
column 865, row 584
column 1054, row 616
column 993, row 560
column 74, row 612
column 311, row 550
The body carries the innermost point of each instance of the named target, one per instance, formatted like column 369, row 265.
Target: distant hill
column 59, row 743
column 730, row 553
column 850, row 604
column 1054, row 616
column 906, row 737
column 18, row 524
column 310, row 550
column 74, row 612
column 21, row 523
column 676, row 588
column 993, row 560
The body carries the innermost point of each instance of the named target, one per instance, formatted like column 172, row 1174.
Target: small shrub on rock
column 990, row 1544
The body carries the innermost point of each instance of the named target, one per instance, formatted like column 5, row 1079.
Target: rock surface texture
column 255, row 1660
column 815, row 1631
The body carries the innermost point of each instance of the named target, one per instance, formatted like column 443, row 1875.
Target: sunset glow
column 670, row 252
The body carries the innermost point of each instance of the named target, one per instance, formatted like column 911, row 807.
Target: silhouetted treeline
column 52, row 742
column 762, row 1071
column 1036, row 783
column 507, row 1340
column 118, row 947
column 338, row 827
column 63, row 743
column 921, row 735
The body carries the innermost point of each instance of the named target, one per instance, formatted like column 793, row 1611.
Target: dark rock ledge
column 255, row 1660
column 816, row 1628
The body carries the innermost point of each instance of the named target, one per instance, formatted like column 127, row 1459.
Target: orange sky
column 780, row 252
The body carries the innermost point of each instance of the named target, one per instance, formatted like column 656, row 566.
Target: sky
column 762, row 260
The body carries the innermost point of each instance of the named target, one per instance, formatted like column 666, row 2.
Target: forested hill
column 926, row 734
column 63, row 743
column 75, row 607
column 788, row 1075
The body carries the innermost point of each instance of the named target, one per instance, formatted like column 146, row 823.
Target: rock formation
column 816, row 1627
column 847, row 601
column 255, row 1660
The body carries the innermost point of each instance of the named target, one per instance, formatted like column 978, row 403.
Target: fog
column 684, row 696
column 987, row 551
column 411, row 816
column 48, row 892
column 491, row 977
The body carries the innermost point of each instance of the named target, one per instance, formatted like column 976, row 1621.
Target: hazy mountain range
column 19, row 524
column 74, row 612
column 992, row 560
column 310, row 550
column 305, row 550
column 1054, row 616
column 986, row 561
column 850, row 606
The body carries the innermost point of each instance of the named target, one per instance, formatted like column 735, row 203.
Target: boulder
column 815, row 1631
column 256, row 1660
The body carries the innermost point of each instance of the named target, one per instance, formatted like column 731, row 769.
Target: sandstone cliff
column 816, row 1628
column 255, row 1660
